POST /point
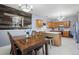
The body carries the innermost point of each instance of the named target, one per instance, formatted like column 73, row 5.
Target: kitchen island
column 56, row 37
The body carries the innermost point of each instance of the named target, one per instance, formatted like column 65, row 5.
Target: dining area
column 23, row 33
column 21, row 45
column 39, row 29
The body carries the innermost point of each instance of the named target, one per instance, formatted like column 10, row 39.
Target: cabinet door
column 49, row 24
column 66, row 24
column 39, row 23
column 57, row 24
column 53, row 25
column 60, row 23
column 66, row 33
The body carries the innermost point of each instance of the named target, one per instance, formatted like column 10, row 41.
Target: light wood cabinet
column 60, row 23
column 39, row 23
column 66, row 24
column 66, row 33
column 52, row 24
column 56, row 24
column 49, row 25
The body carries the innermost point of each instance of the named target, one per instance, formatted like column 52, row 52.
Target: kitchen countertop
column 53, row 32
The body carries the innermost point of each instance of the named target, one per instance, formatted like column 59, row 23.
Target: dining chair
column 14, row 49
column 39, row 35
column 33, row 32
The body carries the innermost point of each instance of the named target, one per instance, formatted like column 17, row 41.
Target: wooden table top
column 31, row 44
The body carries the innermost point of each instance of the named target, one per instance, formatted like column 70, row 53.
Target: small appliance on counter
column 61, row 28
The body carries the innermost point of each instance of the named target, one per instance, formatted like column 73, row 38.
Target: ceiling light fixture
column 60, row 17
column 25, row 7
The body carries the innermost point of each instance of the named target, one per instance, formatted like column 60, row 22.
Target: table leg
column 46, row 48
column 50, row 43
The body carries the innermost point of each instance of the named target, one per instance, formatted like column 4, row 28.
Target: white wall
column 5, row 50
column 4, row 39
column 34, row 18
column 73, row 20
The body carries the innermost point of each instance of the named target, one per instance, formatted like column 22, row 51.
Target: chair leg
column 43, row 49
column 35, row 52
column 11, row 51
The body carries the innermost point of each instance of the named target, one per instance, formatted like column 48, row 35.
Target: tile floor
column 68, row 47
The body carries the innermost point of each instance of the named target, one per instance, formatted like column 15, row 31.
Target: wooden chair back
column 40, row 35
column 13, row 47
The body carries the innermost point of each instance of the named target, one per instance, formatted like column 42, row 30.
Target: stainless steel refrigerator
column 77, row 31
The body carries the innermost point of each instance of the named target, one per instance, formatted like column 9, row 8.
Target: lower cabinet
column 65, row 33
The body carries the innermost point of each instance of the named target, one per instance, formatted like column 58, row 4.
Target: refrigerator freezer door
column 77, row 31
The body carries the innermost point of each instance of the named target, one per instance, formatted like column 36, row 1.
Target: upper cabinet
column 11, row 18
column 39, row 23
column 66, row 24
column 52, row 24
column 57, row 24
column 49, row 25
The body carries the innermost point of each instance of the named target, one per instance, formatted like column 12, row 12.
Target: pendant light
column 60, row 17
column 25, row 7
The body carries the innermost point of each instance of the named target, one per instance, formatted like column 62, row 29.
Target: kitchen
column 63, row 30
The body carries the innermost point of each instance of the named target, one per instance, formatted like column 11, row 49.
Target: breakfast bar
column 55, row 38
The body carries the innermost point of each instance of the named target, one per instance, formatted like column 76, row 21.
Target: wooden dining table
column 30, row 45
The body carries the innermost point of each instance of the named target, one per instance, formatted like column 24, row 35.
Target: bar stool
column 50, row 40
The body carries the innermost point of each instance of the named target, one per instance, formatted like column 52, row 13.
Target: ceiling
column 52, row 10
